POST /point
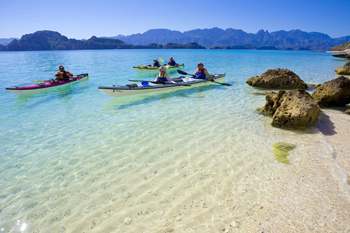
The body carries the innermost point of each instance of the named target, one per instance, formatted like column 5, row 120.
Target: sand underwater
column 199, row 159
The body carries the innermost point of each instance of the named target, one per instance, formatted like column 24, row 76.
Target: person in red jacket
column 156, row 63
column 202, row 73
column 63, row 74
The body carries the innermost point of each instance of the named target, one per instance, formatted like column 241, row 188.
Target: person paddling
column 63, row 74
column 156, row 63
column 172, row 62
column 202, row 73
column 163, row 77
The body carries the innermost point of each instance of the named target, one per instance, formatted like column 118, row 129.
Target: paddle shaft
column 82, row 79
column 182, row 72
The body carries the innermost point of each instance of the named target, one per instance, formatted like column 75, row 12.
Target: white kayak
column 145, row 68
column 146, row 86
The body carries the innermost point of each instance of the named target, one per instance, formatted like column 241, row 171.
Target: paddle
column 40, row 81
column 184, row 73
column 159, row 83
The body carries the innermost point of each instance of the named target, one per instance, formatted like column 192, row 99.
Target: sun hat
column 155, row 60
column 60, row 67
column 162, row 68
column 200, row 63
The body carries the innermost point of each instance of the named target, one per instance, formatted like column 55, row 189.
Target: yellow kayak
column 145, row 68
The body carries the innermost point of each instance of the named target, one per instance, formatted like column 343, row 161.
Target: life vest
column 172, row 63
column 156, row 64
column 162, row 77
column 63, row 76
column 200, row 74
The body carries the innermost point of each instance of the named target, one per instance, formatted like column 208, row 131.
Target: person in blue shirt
column 172, row 62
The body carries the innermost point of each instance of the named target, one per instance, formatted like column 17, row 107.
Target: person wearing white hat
column 162, row 77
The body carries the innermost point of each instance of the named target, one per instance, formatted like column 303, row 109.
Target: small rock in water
column 166, row 223
column 127, row 220
column 178, row 218
column 145, row 212
column 205, row 205
column 233, row 224
column 169, row 229
column 127, row 195
column 129, row 205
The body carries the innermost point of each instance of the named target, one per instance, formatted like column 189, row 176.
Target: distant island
column 214, row 38
column 49, row 40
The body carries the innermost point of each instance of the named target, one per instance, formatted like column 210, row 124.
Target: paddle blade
column 182, row 72
column 83, row 79
column 39, row 81
column 161, row 60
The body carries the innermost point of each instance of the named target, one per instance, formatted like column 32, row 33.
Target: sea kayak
column 145, row 68
column 44, row 85
column 147, row 86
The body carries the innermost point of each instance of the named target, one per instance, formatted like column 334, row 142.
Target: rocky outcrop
column 347, row 112
column 291, row 109
column 277, row 79
column 344, row 69
column 333, row 93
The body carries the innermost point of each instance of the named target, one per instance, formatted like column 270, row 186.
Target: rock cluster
column 291, row 109
column 277, row 79
column 343, row 54
column 333, row 93
column 344, row 69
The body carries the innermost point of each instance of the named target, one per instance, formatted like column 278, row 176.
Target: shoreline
column 331, row 123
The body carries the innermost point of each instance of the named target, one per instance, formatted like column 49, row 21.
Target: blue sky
column 83, row 19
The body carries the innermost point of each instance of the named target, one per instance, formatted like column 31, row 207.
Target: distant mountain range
column 6, row 41
column 294, row 39
column 155, row 39
column 49, row 40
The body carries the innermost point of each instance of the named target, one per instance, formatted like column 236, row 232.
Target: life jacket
column 63, row 76
column 162, row 78
column 172, row 63
column 156, row 64
column 200, row 74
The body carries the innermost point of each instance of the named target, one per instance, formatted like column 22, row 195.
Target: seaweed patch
column 281, row 151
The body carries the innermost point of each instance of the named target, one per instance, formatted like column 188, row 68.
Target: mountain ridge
column 211, row 37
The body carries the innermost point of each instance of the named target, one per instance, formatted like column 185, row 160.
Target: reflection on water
column 125, row 102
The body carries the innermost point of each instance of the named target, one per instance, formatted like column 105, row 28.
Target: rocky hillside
column 49, row 40
column 342, row 47
column 294, row 39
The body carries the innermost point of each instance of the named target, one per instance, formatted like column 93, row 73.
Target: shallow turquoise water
column 62, row 147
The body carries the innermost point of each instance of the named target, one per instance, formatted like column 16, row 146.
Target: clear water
column 74, row 159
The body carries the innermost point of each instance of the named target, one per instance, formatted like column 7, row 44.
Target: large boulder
column 333, row 93
column 291, row 109
column 277, row 79
column 344, row 69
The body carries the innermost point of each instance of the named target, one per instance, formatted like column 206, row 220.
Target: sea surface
column 198, row 159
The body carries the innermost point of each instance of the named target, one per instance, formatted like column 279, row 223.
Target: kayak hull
column 118, row 91
column 43, row 86
column 155, row 69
